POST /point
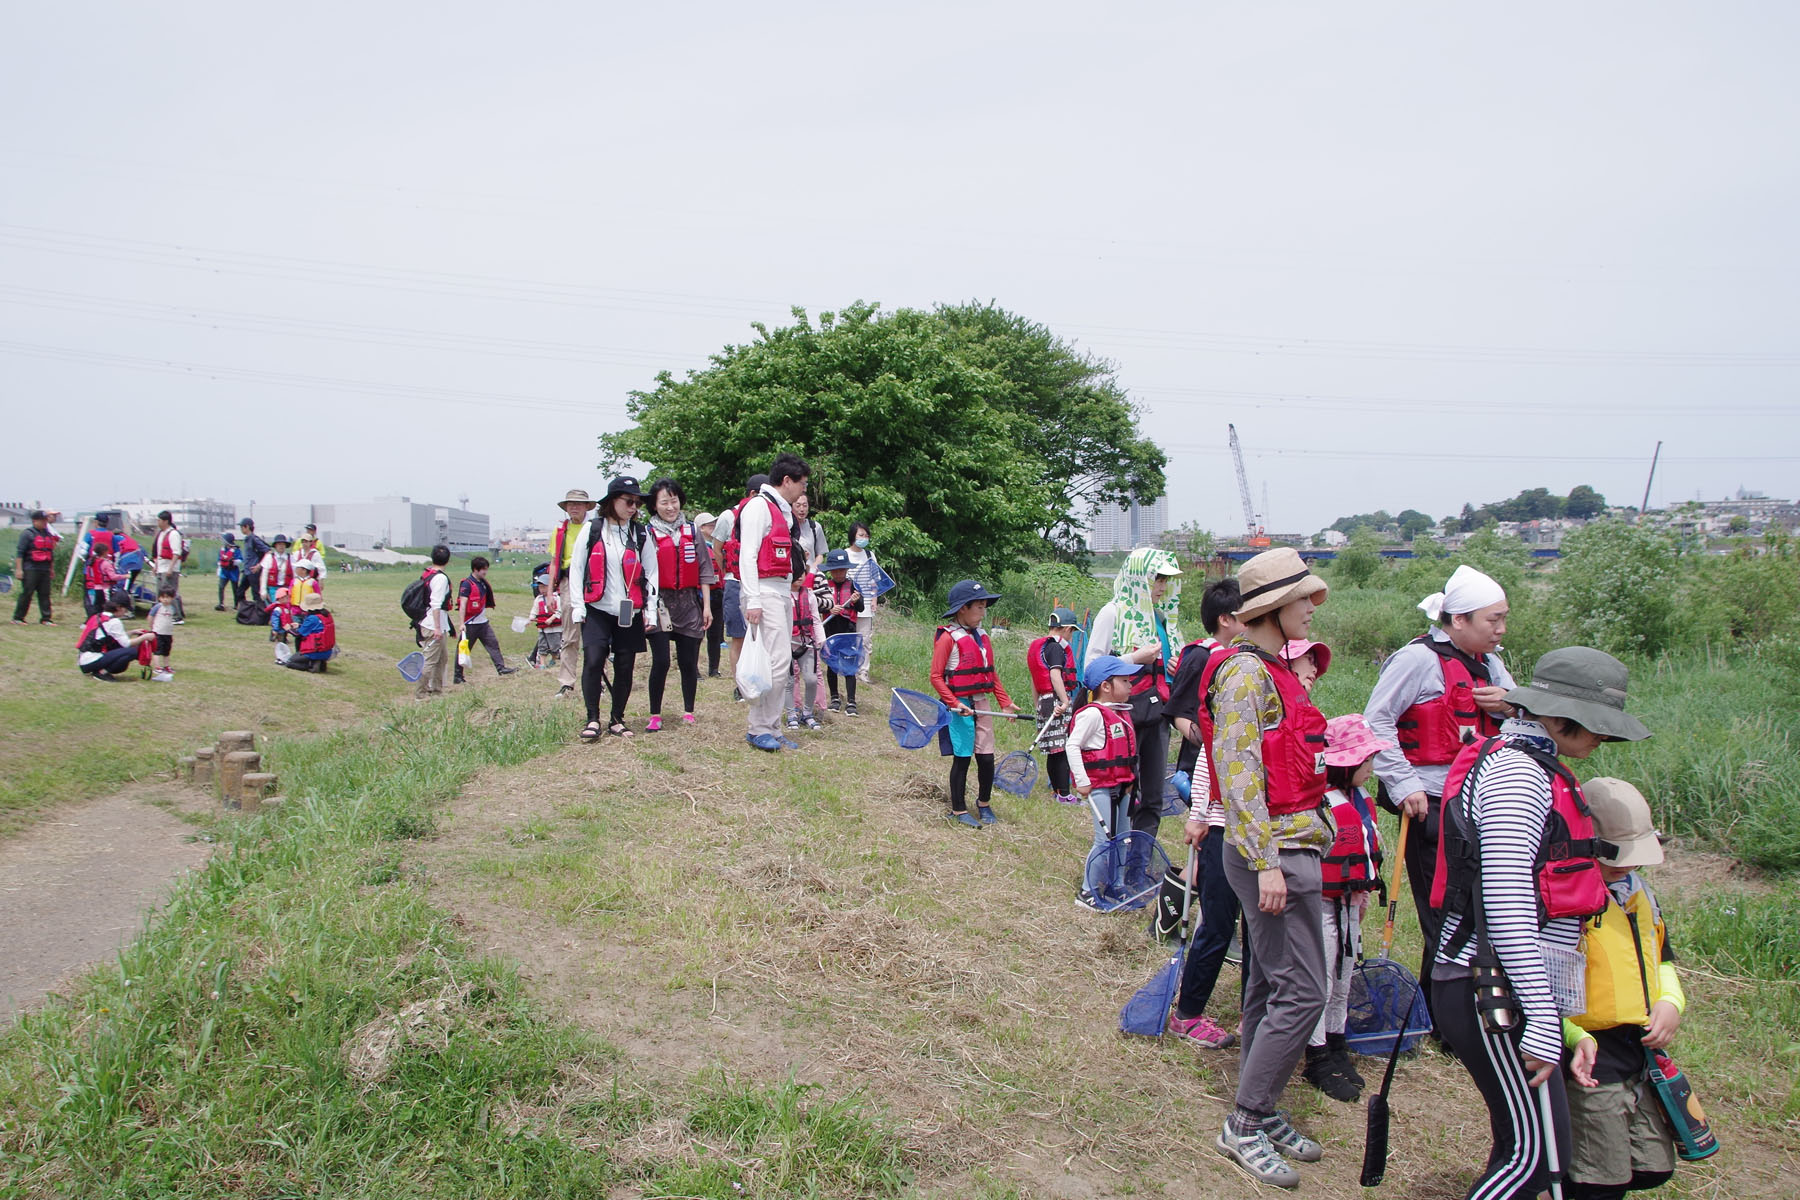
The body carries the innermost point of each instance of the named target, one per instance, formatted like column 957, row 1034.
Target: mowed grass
column 71, row 737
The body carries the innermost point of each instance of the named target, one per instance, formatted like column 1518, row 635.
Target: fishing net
column 412, row 666
column 1016, row 773
column 870, row 579
column 1384, row 1001
column 1146, row 1014
column 915, row 718
column 843, row 653
column 1124, row 872
column 1175, row 790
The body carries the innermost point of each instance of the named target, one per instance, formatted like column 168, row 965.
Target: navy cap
column 967, row 591
column 1064, row 618
column 837, row 560
column 1105, row 667
column 624, row 485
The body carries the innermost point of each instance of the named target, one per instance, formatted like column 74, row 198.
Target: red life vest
column 1433, row 732
column 1115, row 763
column 1151, row 677
column 594, row 586
column 42, row 548
column 545, row 612
column 228, row 558
column 1040, row 673
column 164, row 543
column 102, row 541
column 475, row 591
column 90, row 639
column 776, row 555
column 677, row 558
column 803, row 631
column 974, row 671
column 146, row 650
column 1569, row 883
column 280, row 570
column 734, row 545
column 836, row 596
column 98, row 572
column 1293, row 752
column 1353, row 863
column 323, row 640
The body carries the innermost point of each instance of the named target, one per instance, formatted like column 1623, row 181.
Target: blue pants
column 1219, row 912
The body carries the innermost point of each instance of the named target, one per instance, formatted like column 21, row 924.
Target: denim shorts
column 735, row 626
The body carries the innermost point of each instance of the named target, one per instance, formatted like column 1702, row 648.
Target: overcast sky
column 1421, row 254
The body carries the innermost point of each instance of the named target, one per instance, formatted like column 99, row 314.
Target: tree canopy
column 967, row 437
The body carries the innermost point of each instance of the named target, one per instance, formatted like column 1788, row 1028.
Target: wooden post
column 237, row 764
column 202, row 770
column 235, row 739
column 253, row 787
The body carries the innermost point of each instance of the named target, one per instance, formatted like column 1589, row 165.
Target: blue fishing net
column 412, row 666
column 843, row 653
column 1016, row 773
column 1146, row 1014
column 915, row 718
column 1385, row 1001
column 1125, row 871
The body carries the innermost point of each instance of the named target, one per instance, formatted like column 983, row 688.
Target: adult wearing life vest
column 614, row 572
column 33, row 565
column 684, row 591
column 1267, row 747
column 170, row 551
column 103, row 648
column 1517, row 876
column 277, row 570
column 1141, row 625
column 766, row 567
column 255, row 549
column 576, row 504
column 1434, row 695
column 727, row 534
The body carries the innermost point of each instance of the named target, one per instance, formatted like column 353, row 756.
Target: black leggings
column 1516, row 1167
column 601, row 635
column 715, row 633
column 687, row 658
column 831, row 682
column 959, row 782
column 1056, row 765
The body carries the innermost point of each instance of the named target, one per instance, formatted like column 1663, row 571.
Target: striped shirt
column 1511, row 801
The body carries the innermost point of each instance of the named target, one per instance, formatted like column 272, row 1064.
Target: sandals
column 620, row 729
column 591, row 732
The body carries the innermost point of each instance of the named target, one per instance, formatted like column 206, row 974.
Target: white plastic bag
column 519, row 624
column 754, row 674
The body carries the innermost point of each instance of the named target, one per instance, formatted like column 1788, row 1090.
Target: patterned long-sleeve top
column 1245, row 706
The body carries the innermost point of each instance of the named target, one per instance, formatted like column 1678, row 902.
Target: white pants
column 1343, row 946
column 776, row 633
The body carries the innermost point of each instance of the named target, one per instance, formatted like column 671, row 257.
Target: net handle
column 1387, row 930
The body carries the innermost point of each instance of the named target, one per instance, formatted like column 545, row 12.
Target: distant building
column 1120, row 527
column 388, row 521
column 198, row 517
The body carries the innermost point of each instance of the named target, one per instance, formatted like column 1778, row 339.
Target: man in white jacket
column 170, row 548
column 766, row 567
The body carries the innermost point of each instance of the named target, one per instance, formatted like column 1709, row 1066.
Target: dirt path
column 74, row 889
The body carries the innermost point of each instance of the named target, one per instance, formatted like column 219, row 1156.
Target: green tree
column 1412, row 523
column 928, row 426
column 1360, row 559
column 1584, row 503
column 1616, row 588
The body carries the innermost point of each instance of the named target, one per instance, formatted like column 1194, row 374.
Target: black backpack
column 415, row 601
column 252, row 613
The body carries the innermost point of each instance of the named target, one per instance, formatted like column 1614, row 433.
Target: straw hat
column 313, row 602
column 574, row 496
column 1622, row 817
column 1586, row 686
column 1272, row 579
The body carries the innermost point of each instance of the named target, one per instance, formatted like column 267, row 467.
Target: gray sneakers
column 1257, row 1156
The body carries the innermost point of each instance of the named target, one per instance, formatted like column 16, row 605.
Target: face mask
column 862, row 543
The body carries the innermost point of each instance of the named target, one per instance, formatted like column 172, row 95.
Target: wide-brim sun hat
column 1105, row 667
column 1349, row 742
column 837, row 560
column 1320, row 651
column 1274, row 578
column 1622, row 818
column 967, row 591
column 1583, row 685
column 574, row 496
column 313, row 602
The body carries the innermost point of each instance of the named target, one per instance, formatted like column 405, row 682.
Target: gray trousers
column 438, row 652
column 482, row 632
column 568, row 658
column 777, row 634
column 1284, row 990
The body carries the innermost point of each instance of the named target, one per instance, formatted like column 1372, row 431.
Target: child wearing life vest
column 546, row 614
column 841, row 605
column 99, row 576
column 1622, row 1140
column 284, row 614
column 807, row 638
column 1351, row 871
column 230, row 572
column 1052, row 666
column 1104, row 767
column 162, row 626
column 315, row 636
column 963, row 671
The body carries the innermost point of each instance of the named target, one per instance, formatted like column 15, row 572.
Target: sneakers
column 565, row 690
column 505, row 670
column 655, row 725
column 737, row 695
column 1086, row 899
column 1202, row 1031
column 987, row 815
column 1290, row 1141
column 836, row 705
column 162, row 677
column 1257, row 1155
column 788, row 742
column 811, row 722
column 1325, row 1072
column 1069, row 799
column 764, row 741
column 687, row 718
column 849, row 708
column 1234, row 950
column 964, row 818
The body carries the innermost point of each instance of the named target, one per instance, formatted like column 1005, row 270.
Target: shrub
column 1616, row 589
column 1359, row 562
column 1030, row 594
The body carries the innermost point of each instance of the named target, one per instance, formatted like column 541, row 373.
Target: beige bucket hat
column 1272, row 579
column 1622, row 817
column 575, row 496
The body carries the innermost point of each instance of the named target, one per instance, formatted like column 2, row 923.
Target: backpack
column 90, row 639
column 415, row 601
column 252, row 613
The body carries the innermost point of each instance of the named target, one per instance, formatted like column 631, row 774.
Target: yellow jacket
column 1626, row 975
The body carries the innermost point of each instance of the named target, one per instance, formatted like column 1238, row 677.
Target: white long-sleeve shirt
column 1088, row 732
column 168, row 545
column 753, row 527
column 613, row 534
column 437, row 618
column 1411, row 675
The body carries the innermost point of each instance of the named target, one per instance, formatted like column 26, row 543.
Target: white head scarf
column 1467, row 590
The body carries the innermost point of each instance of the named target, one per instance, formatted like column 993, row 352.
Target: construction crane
column 1256, row 538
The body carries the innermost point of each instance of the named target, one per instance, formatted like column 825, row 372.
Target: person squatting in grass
column 1435, row 694
column 841, row 605
column 1105, row 763
column 34, row 566
column 474, row 600
column 576, row 504
column 685, row 583
column 315, row 636
column 762, row 550
column 615, row 574
column 1516, row 878
column 1051, row 664
column 104, row 648
column 1205, row 824
column 808, row 639
column 963, row 671
column 1268, row 744
column 1351, row 870
column 1621, row 1137
column 1139, row 624
column 434, row 628
column 728, row 535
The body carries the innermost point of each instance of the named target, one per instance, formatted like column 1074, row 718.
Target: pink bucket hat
column 1297, row 647
column 1349, row 741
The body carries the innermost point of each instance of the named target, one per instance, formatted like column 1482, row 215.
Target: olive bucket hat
column 1586, row 686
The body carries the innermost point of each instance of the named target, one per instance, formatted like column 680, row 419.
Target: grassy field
column 473, row 958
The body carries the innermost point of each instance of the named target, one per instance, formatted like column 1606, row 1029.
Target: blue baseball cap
column 837, row 560
column 1106, row 667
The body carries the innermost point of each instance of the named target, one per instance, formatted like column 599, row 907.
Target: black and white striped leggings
column 1517, row 1168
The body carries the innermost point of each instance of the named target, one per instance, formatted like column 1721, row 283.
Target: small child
column 1052, row 667
column 841, row 605
column 230, row 564
column 315, row 636
column 100, row 577
column 808, row 636
column 306, row 581
column 1622, row 1139
column 162, row 625
column 1307, row 660
column 962, row 670
column 284, row 614
column 546, row 614
column 474, row 597
column 1350, row 871
column 1104, row 765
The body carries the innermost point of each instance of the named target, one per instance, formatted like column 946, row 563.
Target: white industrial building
column 197, row 517
column 386, row 521
column 1121, row 527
